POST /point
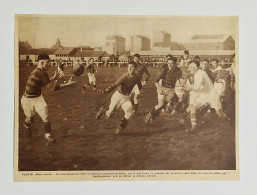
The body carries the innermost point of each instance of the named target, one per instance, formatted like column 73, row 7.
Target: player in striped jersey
column 33, row 102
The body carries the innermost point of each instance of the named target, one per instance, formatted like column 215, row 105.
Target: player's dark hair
column 196, row 58
column 173, row 59
column 134, row 63
column 217, row 61
column 136, row 55
column 197, row 63
column 91, row 58
column 169, row 56
column 186, row 52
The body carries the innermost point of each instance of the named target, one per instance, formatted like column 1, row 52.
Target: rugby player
column 169, row 75
column 121, row 97
column 140, row 71
column 91, row 75
column 202, row 93
column 33, row 102
column 185, row 60
column 215, row 63
column 204, row 65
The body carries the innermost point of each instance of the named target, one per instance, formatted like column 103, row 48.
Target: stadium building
column 139, row 43
column 64, row 53
column 115, row 44
column 210, row 42
column 87, row 54
column 161, row 41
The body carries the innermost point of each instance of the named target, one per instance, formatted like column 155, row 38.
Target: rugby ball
column 78, row 69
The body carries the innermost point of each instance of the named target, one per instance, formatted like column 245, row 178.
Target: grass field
column 84, row 143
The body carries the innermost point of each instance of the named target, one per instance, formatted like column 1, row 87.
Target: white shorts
column 91, row 78
column 120, row 100
column 220, row 87
column 199, row 99
column 167, row 94
column 32, row 105
column 180, row 93
column 179, row 89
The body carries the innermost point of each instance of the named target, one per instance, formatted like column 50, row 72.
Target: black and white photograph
column 103, row 97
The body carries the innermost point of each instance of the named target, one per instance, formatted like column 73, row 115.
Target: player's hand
column 186, row 88
column 143, row 83
column 70, row 82
column 58, row 74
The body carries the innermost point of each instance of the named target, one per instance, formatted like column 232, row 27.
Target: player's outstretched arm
column 60, row 86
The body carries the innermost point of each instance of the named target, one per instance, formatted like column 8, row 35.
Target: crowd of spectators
column 115, row 62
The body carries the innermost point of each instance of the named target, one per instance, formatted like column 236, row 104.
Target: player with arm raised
column 169, row 75
column 140, row 71
column 33, row 102
column 121, row 97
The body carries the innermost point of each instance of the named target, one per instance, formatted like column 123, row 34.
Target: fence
column 102, row 64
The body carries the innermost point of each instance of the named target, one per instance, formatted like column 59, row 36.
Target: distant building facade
column 161, row 38
column 139, row 43
column 65, row 53
column 32, row 54
column 210, row 42
column 114, row 45
column 87, row 54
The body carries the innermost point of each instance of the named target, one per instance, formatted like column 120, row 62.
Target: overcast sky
column 43, row 31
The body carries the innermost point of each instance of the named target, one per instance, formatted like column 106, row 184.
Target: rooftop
column 89, row 53
column 38, row 51
column 64, row 51
column 210, row 38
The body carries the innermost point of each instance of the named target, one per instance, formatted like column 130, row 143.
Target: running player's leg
column 116, row 98
column 128, row 109
column 193, row 117
column 89, row 81
column 29, row 111
column 156, row 110
column 42, row 110
column 136, row 98
column 93, row 81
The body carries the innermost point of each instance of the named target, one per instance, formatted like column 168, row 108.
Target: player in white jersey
column 202, row 93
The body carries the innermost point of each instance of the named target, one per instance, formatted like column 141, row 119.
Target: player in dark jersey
column 33, row 102
column 121, row 98
column 140, row 71
column 204, row 65
column 91, row 74
column 169, row 75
